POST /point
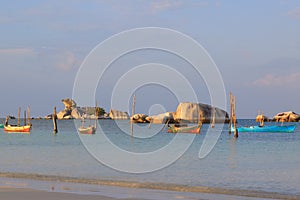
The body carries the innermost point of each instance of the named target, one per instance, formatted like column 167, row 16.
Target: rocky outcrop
column 69, row 104
column 77, row 113
column 187, row 113
column 116, row 114
column 71, row 111
column 259, row 118
column 287, row 117
column 64, row 114
column 163, row 118
column 140, row 118
column 192, row 112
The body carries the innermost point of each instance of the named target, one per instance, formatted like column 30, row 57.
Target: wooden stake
column 54, row 118
column 19, row 115
column 133, row 105
column 236, row 134
column 132, row 113
column 230, row 117
column 214, row 118
column 6, row 121
column 96, row 114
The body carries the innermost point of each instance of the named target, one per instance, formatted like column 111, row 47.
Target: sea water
column 267, row 162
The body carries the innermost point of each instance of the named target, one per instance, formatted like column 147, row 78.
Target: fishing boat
column 91, row 129
column 18, row 128
column 271, row 129
column 87, row 130
column 184, row 129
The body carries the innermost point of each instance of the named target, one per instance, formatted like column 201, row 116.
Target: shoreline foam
column 151, row 186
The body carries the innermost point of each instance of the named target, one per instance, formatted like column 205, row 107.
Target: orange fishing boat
column 17, row 129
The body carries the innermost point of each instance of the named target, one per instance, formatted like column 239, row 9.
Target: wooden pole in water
column 19, row 115
column 236, row 134
column 54, row 119
column 230, row 117
column 96, row 114
column 132, row 113
column 133, row 105
column 6, row 121
column 214, row 118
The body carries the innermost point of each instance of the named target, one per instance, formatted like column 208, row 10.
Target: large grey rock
column 259, row 118
column 140, row 118
column 116, row 114
column 193, row 112
column 64, row 114
column 289, row 116
column 167, row 117
column 69, row 103
column 77, row 113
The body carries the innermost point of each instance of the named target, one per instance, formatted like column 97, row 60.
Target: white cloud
column 272, row 80
column 295, row 13
column 16, row 51
column 159, row 6
column 67, row 61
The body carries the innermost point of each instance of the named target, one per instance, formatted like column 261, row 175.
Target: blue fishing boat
column 271, row 129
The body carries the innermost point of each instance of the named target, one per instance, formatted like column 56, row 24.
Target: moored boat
column 91, row 129
column 184, row 129
column 1, row 125
column 87, row 130
column 271, row 129
column 17, row 129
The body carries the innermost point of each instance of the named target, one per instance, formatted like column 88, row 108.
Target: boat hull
column 87, row 130
column 187, row 129
column 1, row 125
column 17, row 129
column 271, row 129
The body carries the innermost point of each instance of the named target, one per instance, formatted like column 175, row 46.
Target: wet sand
column 30, row 194
column 14, row 186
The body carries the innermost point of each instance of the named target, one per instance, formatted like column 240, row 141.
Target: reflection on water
column 255, row 161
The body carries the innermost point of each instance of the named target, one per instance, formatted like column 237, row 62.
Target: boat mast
column 28, row 112
column 19, row 115
column 96, row 114
column 25, row 118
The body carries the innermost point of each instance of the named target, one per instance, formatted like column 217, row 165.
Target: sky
column 255, row 45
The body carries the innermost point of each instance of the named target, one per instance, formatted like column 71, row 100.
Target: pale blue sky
column 255, row 44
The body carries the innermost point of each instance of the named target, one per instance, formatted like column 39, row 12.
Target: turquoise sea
column 262, row 162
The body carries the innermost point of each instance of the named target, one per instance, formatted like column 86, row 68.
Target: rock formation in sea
column 261, row 117
column 140, row 118
column 289, row 116
column 186, row 112
column 193, row 112
column 167, row 117
column 69, row 104
column 116, row 114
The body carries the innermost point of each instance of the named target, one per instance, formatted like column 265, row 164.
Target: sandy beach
column 29, row 189
column 30, row 194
